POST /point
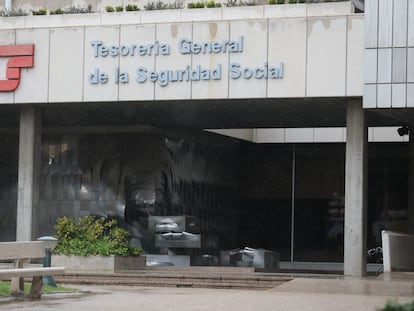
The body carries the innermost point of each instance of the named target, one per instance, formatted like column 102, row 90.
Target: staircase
column 197, row 277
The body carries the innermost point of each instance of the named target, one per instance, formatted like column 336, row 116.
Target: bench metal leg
column 36, row 289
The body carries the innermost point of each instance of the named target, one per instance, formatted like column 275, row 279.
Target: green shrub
column 109, row 9
column 119, row 8
column 57, row 11
column 131, row 7
column 41, row 11
column 196, row 5
column 292, row 1
column 211, row 4
column 280, row 1
column 93, row 236
column 393, row 305
column 272, row 1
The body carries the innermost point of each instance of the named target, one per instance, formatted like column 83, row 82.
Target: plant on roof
column 131, row 7
column 119, row 8
column 13, row 12
column 196, row 5
column 109, row 9
column 210, row 4
column 57, row 11
column 41, row 11
column 235, row 3
column 93, row 236
column 160, row 5
column 77, row 10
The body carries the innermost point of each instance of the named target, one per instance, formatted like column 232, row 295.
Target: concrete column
column 8, row 5
column 355, row 191
column 411, row 183
column 28, row 175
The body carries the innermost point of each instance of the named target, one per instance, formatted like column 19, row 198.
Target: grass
column 5, row 289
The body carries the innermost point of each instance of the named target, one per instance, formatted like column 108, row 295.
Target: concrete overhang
column 208, row 114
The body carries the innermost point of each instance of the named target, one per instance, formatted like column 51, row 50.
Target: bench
column 20, row 252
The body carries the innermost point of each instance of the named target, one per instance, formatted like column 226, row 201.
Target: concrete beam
column 28, row 174
column 355, row 191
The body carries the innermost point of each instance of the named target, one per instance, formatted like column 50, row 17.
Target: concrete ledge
column 95, row 264
column 180, row 15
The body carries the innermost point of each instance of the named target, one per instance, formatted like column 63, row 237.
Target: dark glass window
column 319, row 202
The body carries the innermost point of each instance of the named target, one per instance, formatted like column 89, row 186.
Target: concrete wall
column 389, row 54
column 320, row 45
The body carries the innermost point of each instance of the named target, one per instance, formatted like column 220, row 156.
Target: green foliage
column 200, row 5
column 72, row 10
column 272, row 1
column 196, row 5
column 292, row 1
column 119, row 8
column 41, row 11
column 211, row 4
column 131, row 7
column 393, row 305
column 280, row 1
column 109, row 9
column 5, row 288
column 93, row 236
column 57, row 11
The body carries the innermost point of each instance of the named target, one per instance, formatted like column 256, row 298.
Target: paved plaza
column 298, row 294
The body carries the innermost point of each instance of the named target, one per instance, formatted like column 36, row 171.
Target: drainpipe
column 8, row 5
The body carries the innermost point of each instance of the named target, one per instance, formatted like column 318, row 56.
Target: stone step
column 208, row 280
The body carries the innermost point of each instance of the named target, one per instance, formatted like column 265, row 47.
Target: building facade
column 278, row 126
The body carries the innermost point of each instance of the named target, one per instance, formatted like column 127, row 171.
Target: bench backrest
column 20, row 250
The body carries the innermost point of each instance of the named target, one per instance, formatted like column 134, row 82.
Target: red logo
column 21, row 56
